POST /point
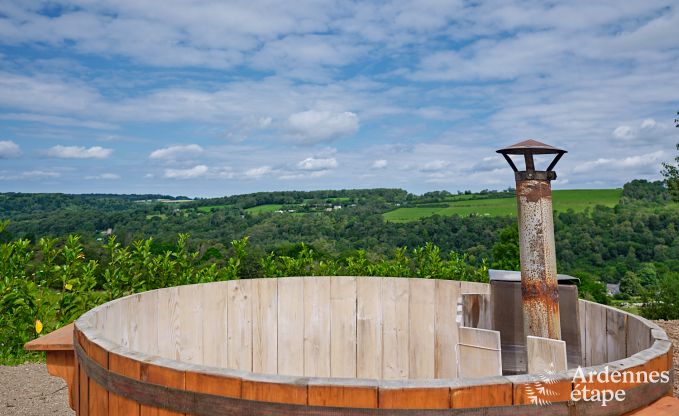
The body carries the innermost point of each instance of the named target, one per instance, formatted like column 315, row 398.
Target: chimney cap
column 531, row 146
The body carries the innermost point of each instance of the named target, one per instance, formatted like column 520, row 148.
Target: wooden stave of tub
column 116, row 378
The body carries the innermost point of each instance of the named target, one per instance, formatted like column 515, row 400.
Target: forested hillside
column 637, row 234
column 62, row 254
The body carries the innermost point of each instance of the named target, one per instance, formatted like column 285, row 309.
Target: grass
column 628, row 305
column 578, row 200
column 260, row 209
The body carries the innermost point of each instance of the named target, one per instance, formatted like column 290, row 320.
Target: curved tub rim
column 661, row 346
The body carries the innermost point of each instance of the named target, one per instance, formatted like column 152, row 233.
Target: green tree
column 591, row 288
column 506, row 251
column 663, row 301
column 671, row 173
column 630, row 284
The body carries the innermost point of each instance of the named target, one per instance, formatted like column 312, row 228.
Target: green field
column 209, row 208
column 260, row 209
column 577, row 200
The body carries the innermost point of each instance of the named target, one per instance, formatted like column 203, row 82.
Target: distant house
column 336, row 207
column 613, row 289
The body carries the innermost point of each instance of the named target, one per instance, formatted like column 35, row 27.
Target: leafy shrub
column 54, row 282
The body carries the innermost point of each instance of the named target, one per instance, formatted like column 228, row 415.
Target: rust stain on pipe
column 539, row 285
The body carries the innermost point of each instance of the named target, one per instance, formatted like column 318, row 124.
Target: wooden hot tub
column 327, row 346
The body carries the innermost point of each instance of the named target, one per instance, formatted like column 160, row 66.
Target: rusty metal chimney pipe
column 539, row 288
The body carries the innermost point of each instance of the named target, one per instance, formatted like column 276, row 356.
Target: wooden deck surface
column 667, row 406
column 59, row 340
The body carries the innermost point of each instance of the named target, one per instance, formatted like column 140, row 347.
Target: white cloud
column 194, row 172
column 380, row 164
column 40, row 174
column 303, row 176
column 79, row 152
column 647, row 161
column 598, row 78
column 317, row 126
column 177, row 152
column 648, row 131
column 222, row 173
column 305, row 56
column 58, row 121
column 9, row 149
column 30, row 175
column 434, row 166
column 648, row 123
column 258, row 172
column 313, row 164
column 623, row 132
column 104, row 176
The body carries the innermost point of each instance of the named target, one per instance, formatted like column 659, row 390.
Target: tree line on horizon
column 52, row 273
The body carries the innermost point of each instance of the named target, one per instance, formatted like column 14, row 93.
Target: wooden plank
column 414, row 397
column 498, row 392
column 582, row 312
column 239, row 337
column 570, row 324
column 58, row 340
column 213, row 384
column 131, row 324
column 130, row 368
column 316, row 327
column 83, row 382
column 58, row 363
column 508, row 319
column 275, row 392
column 343, row 327
column 291, row 326
column 163, row 376
column 638, row 336
column 148, row 322
column 98, row 400
column 215, row 324
column 368, row 328
column 122, row 309
column 112, row 315
column 75, row 388
column 265, row 326
column 445, row 360
column 545, row 354
column 476, row 311
column 474, row 287
column 325, row 393
column 616, row 334
column 61, row 363
column 421, row 333
column 525, row 390
column 395, row 328
column 168, row 323
column 595, row 338
column 190, row 324
column 478, row 353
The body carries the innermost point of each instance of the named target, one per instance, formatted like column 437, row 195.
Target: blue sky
column 205, row 98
